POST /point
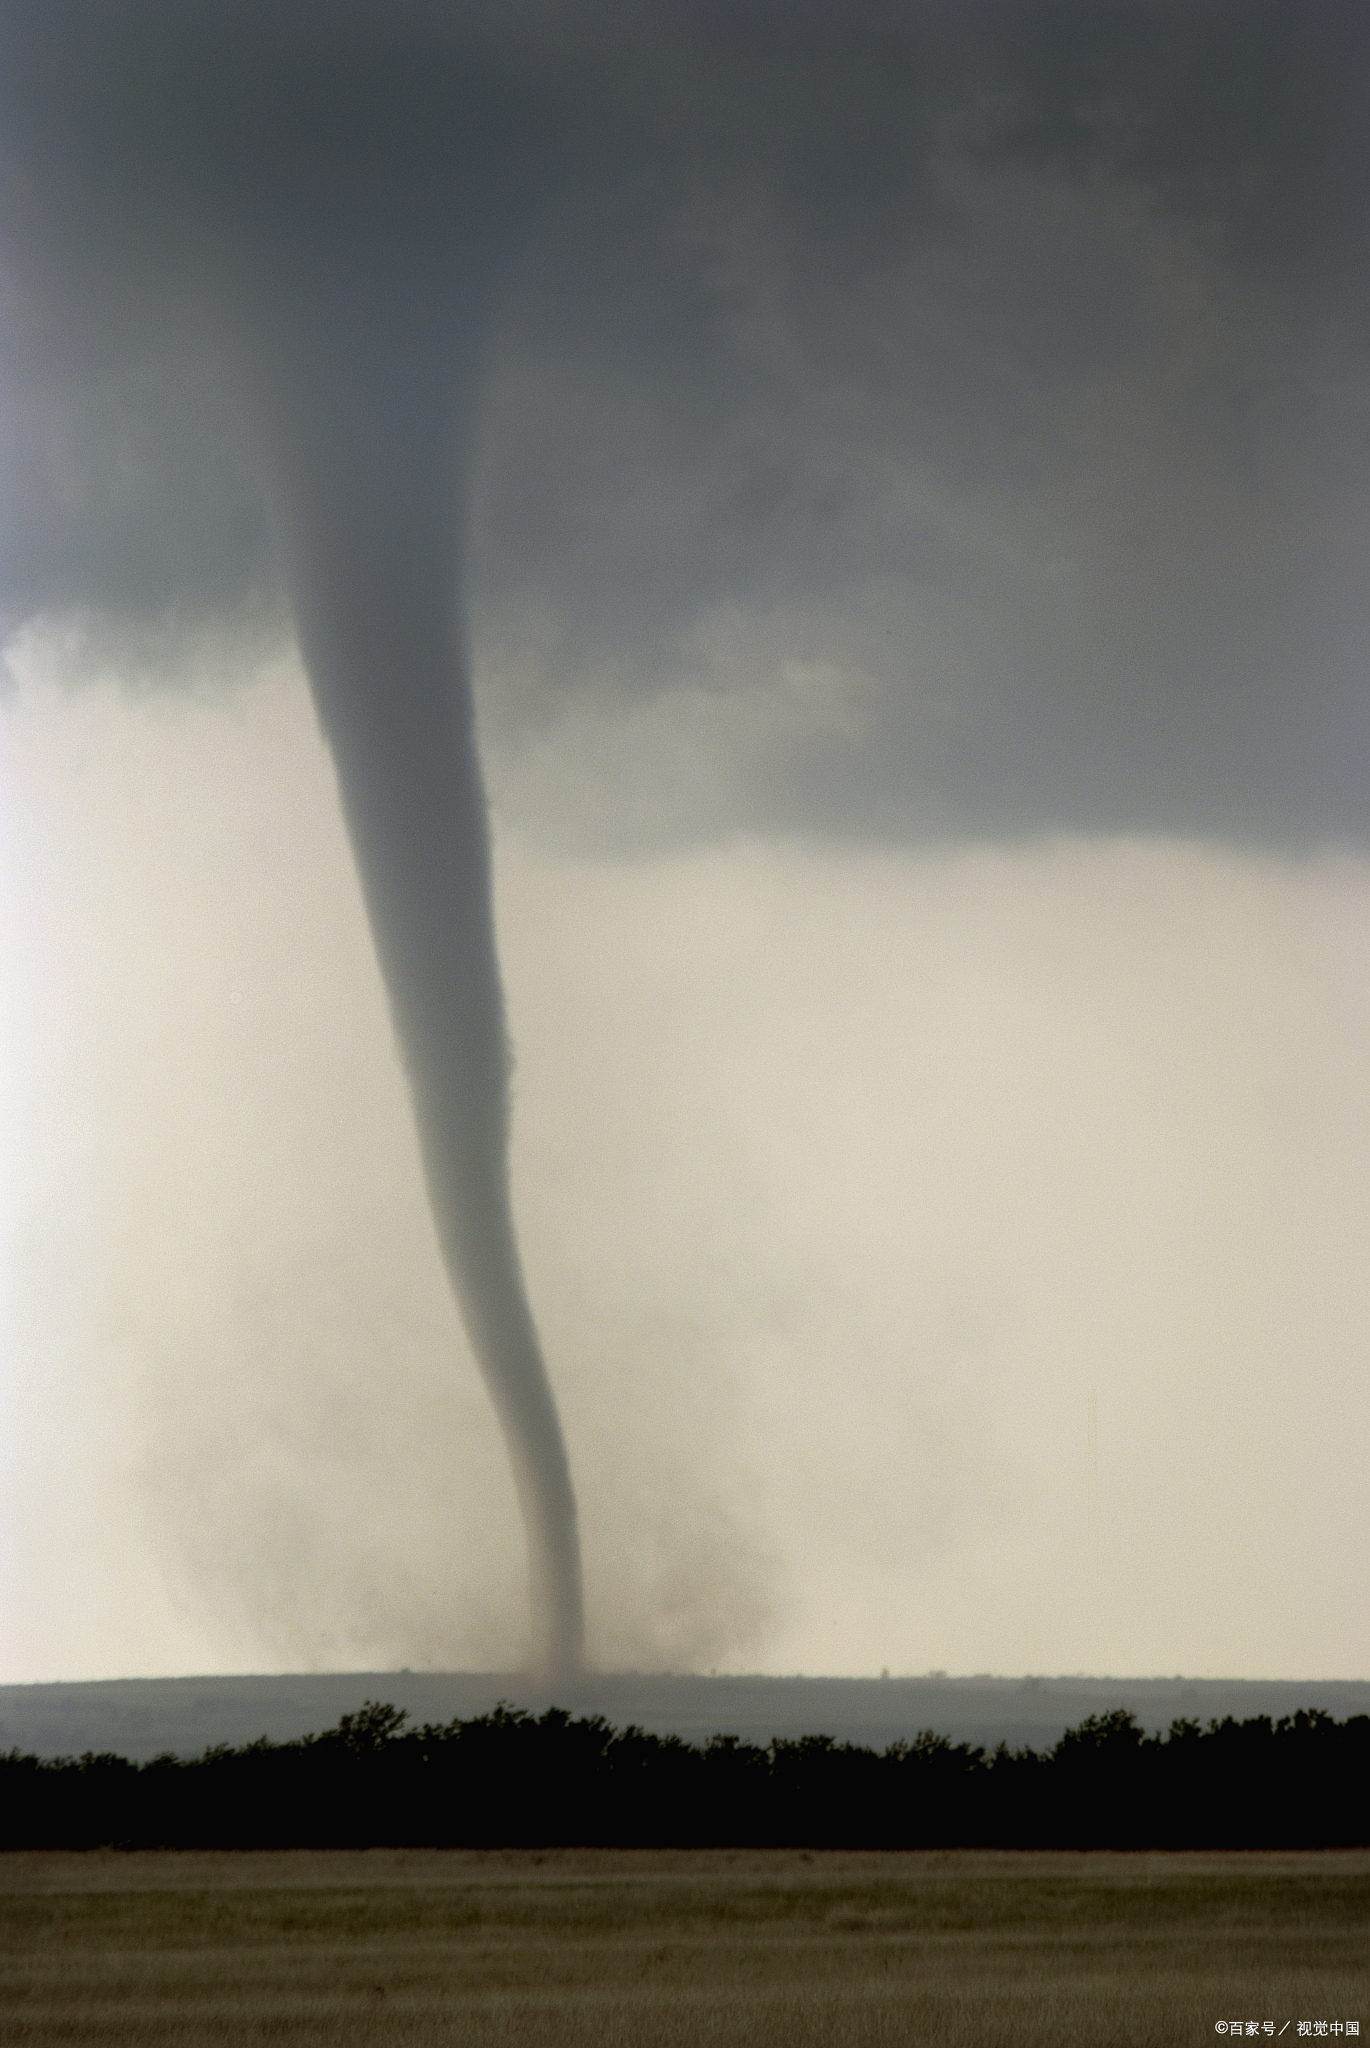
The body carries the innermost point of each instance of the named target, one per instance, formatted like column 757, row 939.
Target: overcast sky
column 916, row 574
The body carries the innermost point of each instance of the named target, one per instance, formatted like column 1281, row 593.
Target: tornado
column 314, row 205
column 368, row 396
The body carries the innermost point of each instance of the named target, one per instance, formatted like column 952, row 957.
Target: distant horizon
column 593, row 1674
column 143, row 1717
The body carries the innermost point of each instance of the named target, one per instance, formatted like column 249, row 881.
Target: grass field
column 677, row 1949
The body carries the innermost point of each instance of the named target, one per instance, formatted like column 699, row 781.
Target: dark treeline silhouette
column 508, row 1778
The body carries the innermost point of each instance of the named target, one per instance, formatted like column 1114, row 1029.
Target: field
column 677, row 1949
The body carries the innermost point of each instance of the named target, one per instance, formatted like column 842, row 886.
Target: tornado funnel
column 369, row 402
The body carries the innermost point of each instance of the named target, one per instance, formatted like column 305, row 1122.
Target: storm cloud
column 957, row 416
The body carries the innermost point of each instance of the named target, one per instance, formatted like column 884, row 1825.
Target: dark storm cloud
column 1009, row 362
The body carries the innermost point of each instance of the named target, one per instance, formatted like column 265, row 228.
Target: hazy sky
column 920, row 625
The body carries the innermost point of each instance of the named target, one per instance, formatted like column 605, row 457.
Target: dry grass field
column 413, row 1949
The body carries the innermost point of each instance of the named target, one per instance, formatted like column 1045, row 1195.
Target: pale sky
column 948, row 1260
column 911, row 470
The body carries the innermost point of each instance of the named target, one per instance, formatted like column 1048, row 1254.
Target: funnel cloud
column 370, row 473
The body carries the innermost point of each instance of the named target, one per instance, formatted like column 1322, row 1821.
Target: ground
column 615, row 1948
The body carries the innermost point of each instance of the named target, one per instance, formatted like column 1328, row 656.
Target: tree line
column 509, row 1778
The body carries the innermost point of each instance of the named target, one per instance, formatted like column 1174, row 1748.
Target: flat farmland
column 167, row 1949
